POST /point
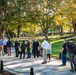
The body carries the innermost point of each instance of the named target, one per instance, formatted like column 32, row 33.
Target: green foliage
column 16, row 14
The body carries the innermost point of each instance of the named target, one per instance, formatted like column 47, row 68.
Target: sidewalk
column 22, row 66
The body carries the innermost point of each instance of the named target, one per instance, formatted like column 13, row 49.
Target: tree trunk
column 46, row 36
column 1, row 31
column 70, row 30
column 74, row 27
column 61, row 33
column 18, row 31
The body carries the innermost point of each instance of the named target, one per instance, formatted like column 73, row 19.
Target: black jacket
column 9, row 43
column 23, row 47
column 71, row 48
column 17, row 44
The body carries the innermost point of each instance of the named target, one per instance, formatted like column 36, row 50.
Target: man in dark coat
column 63, row 53
column 9, row 46
column 17, row 44
column 71, row 52
column 28, row 48
column 35, row 48
column 23, row 47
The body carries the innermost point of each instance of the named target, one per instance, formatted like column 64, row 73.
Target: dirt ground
column 6, row 73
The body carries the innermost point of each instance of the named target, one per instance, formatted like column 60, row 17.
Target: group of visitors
column 25, row 47
column 37, row 49
column 70, row 48
column 22, row 49
column 5, row 46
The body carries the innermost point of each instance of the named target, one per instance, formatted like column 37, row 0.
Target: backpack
column 71, row 47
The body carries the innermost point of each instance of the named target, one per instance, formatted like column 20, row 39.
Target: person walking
column 5, row 44
column 1, row 47
column 17, row 44
column 49, row 51
column 9, row 46
column 63, row 53
column 44, row 46
column 23, row 47
column 72, row 52
column 28, row 48
column 35, row 48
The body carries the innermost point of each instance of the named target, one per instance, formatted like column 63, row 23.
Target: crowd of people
column 5, row 46
column 27, row 46
column 37, row 49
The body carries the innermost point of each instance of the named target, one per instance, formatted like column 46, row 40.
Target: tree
column 42, row 12
column 67, row 9
column 4, row 12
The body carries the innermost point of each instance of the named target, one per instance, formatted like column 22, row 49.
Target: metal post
column 1, row 66
column 60, row 55
column 31, row 71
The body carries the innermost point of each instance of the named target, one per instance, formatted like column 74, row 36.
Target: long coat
column 35, row 47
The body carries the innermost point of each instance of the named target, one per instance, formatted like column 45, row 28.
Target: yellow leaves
column 61, row 20
column 30, row 28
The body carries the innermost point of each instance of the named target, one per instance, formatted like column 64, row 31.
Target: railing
column 2, row 68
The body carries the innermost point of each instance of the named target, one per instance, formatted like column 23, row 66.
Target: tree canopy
column 26, row 15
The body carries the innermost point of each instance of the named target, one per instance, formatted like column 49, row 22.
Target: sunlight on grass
column 56, row 41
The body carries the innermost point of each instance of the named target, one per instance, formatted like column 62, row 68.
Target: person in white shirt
column 44, row 46
column 5, row 44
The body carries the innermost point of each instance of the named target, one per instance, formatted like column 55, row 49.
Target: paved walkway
column 22, row 66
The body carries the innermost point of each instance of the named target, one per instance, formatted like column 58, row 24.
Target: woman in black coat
column 17, row 44
column 35, row 48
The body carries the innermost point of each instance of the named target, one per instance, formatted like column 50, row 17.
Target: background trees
column 31, row 15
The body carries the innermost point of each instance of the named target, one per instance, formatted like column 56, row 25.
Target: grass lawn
column 57, row 47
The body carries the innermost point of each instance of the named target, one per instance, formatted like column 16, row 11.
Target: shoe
column 71, row 70
column 62, row 65
column 36, row 58
column 16, row 56
column 28, row 57
column 43, row 62
column 74, row 69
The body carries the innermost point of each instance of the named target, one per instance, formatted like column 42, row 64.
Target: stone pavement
column 22, row 66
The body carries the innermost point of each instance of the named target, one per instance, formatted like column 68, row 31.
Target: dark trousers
column 28, row 53
column 48, row 55
column 36, row 54
column 17, row 52
column 72, row 61
column 22, row 52
column 5, row 49
column 63, row 59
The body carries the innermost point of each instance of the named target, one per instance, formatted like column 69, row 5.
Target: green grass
column 56, row 47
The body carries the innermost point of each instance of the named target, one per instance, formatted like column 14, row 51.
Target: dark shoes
column 43, row 62
column 28, row 57
column 75, row 70
column 71, row 70
column 62, row 65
